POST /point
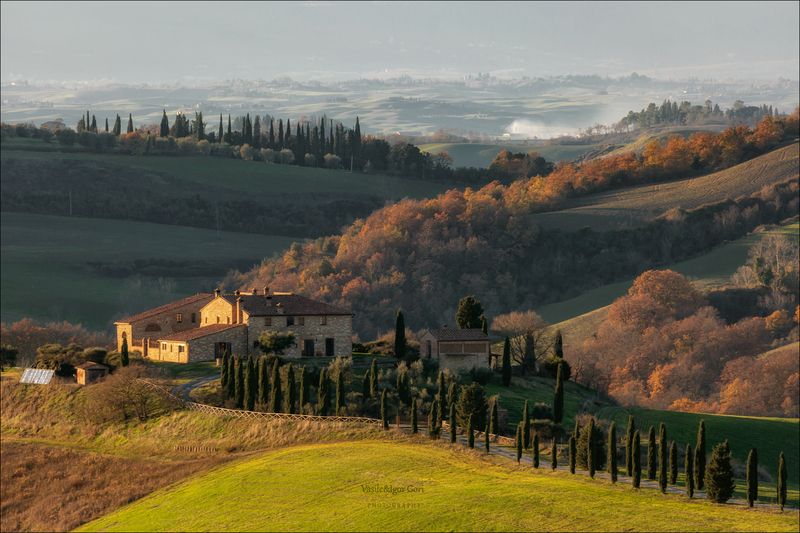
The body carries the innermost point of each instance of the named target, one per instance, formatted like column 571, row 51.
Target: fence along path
column 241, row 413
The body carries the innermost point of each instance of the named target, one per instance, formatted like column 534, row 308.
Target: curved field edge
column 344, row 486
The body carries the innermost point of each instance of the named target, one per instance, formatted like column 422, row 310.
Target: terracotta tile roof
column 196, row 333
column 199, row 297
column 458, row 334
column 284, row 304
column 87, row 365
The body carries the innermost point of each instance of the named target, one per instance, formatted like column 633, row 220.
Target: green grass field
column 481, row 155
column 322, row 488
column 46, row 272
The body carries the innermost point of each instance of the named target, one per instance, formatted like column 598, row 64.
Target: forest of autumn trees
column 422, row 255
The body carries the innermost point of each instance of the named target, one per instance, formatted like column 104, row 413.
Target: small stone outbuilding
column 89, row 372
column 455, row 348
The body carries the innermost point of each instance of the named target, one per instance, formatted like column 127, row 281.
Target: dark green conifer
column 554, row 455
column 470, row 433
column 526, row 426
column 629, row 445
column 535, row 450
column 506, row 362
column 700, row 456
column 400, row 336
column 689, row 471
column 558, row 396
column 384, row 413
column 117, row 126
column 652, row 456
column 302, row 397
column 231, row 392
column 452, row 423
column 249, row 388
column 263, row 382
column 291, row 390
column 673, row 463
column 611, row 462
column 719, row 481
column 591, row 461
column 240, row 364
column 414, row 428
column 323, row 398
column 573, row 453
column 275, row 393
column 164, row 131
column 752, row 477
column 636, row 459
column 219, row 131
column 124, row 358
column 518, row 442
column 130, row 123
column 662, row 458
column 495, row 425
column 223, row 374
column 781, row 487
column 373, row 379
column 486, row 434
column 340, row 390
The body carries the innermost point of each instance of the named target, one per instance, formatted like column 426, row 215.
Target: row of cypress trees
column 84, row 124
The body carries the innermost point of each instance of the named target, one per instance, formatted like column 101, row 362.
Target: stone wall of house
column 339, row 328
column 217, row 311
column 202, row 349
column 160, row 325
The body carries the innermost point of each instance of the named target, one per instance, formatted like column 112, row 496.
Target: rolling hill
column 481, row 155
column 632, row 206
column 380, row 486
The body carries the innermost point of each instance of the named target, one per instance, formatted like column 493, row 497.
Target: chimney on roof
column 238, row 318
column 216, row 292
column 266, row 290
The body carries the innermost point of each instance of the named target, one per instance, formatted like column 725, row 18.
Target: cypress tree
column 200, row 128
column 400, row 336
column 719, row 475
column 231, row 392
column 117, row 126
column 506, row 362
column 275, row 394
column 164, row 132
column 87, row 123
column 442, row 391
column 240, row 364
column 495, row 425
column 535, row 450
column 781, row 488
column 486, row 434
column 558, row 397
column 590, row 457
column 518, row 442
column 700, row 457
column 573, row 453
column 291, row 390
column 470, row 433
column 526, row 426
column 288, row 142
column 229, row 134
column 323, row 398
column 414, row 428
column 629, row 445
column 611, row 462
column 558, row 345
column 263, row 382
column 223, row 371
column 130, row 123
column 452, row 393
column 94, row 124
column 484, row 325
column 365, row 386
column 662, row 458
column 384, row 414
column 124, row 358
column 652, row 459
column 340, row 393
column 673, row 463
column 257, row 132
column 431, row 424
column 554, row 455
column 302, row 397
column 249, row 388
column 280, row 134
column 219, row 130
column 373, row 379
column 453, row 423
column 752, row 477
column 271, row 139
column 437, row 418
column 689, row 471
column 636, row 459
column 577, row 430
column 106, row 124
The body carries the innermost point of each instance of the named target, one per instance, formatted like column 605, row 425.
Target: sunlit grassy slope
column 324, row 488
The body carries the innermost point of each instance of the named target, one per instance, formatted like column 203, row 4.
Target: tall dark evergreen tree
column 229, row 133
column 518, row 442
column 263, row 382
column 689, row 471
column 636, row 459
column 130, row 123
column 384, row 413
column 662, row 458
column 470, row 433
column 781, row 487
column 124, row 358
column 484, row 325
column 399, row 335
column 323, row 398
column 88, row 122
column 673, row 463
column 558, row 345
column 554, row 455
column 240, row 365
column 365, row 386
column 414, row 425
column 573, row 453
column 291, row 390
column 652, row 456
column 441, row 390
column 590, row 449
column 106, row 124
column 611, row 462
column 271, row 138
column 486, row 434
column 629, row 445
column 558, row 396
column 506, row 362
column 93, row 128
column 700, row 457
column 280, row 135
column 431, row 424
column 199, row 127
column 164, row 131
column 302, row 397
column 117, row 126
column 357, row 142
column 340, row 390
column 257, row 132
column 495, row 418
column 535, row 450
column 219, row 130
column 287, row 143
column 452, row 422
column 275, row 393
column 526, row 426
column 436, row 417
column 231, row 392
column 752, row 477
column 468, row 314
column 373, row 379
column 249, row 385
column 719, row 474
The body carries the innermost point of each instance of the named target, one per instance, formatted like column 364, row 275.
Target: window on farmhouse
column 323, row 321
column 179, row 318
column 164, row 346
column 180, row 348
column 290, row 321
column 193, row 318
column 267, row 320
column 301, row 321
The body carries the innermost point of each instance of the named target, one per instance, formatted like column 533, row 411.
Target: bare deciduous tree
column 527, row 332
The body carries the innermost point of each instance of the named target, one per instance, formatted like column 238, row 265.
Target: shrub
column 481, row 376
column 550, row 367
column 599, row 455
column 286, row 157
column 719, row 475
column 332, row 161
column 471, row 401
column 542, row 411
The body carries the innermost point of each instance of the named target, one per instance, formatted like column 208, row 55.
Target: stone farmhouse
column 203, row 326
column 456, row 349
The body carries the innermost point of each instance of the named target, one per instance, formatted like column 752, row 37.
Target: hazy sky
column 174, row 42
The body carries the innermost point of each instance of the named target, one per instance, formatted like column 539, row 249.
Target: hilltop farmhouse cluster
column 204, row 326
